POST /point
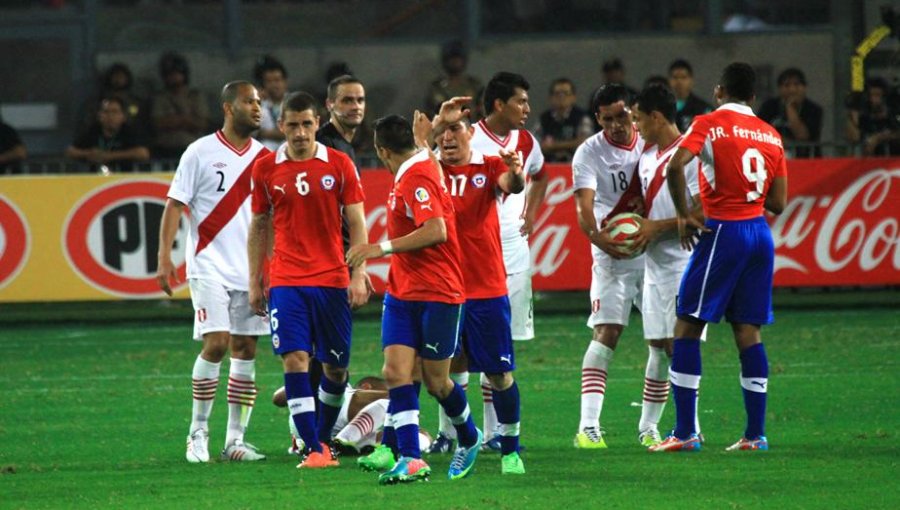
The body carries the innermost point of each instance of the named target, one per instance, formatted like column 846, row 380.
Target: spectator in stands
column 111, row 141
column 564, row 126
column 687, row 104
column 454, row 82
column 794, row 116
column 875, row 122
column 271, row 78
column 180, row 114
column 12, row 150
column 117, row 81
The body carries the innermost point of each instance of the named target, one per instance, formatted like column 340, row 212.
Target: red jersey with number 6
column 306, row 200
column 741, row 155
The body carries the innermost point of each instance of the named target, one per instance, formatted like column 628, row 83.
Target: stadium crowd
column 121, row 130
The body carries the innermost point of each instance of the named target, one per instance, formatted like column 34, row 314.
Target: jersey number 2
column 754, row 167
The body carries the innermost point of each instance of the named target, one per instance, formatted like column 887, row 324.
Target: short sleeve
column 423, row 197
column 781, row 167
column 691, row 177
column 352, row 192
column 259, row 195
column 184, row 185
column 696, row 135
column 534, row 165
column 583, row 174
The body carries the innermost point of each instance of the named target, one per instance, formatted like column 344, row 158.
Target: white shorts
column 521, row 305
column 658, row 310
column 217, row 308
column 613, row 291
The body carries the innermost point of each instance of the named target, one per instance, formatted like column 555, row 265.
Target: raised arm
column 513, row 180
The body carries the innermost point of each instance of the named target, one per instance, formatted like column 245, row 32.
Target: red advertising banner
column 841, row 227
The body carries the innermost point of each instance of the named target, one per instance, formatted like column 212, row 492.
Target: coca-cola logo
column 549, row 249
column 858, row 229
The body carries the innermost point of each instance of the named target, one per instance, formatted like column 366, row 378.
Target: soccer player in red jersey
column 423, row 303
column 743, row 173
column 477, row 183
column 300, row 192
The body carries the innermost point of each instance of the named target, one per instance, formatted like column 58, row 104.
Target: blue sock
column 302, row 406
column 331, row 396
column 685, row 377
column 406, row 420
column 389, row 434
column 754, row 381
column 457, row 409
column 506, row 403
column 418, row 387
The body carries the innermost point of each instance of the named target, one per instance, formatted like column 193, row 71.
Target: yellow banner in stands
column 83, row 237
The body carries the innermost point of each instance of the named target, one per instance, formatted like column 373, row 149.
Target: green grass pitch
column 95, row 416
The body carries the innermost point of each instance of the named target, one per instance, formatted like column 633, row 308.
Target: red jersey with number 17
column 306, row 200
column 432, row 273
column 475, row 195
column 741, row 155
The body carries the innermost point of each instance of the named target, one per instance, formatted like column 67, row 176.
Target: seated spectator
column 874, row 122
column 180, row 114
column 111, row 142
column 564, row 126
column 687, row 104
column 12, row 150
column 117, row 81
column 794, row 116
column 455, row 82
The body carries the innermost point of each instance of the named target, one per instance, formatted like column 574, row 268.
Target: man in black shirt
column 794, row 116
column 564, row 126
column 687, row 104
column 346, row 104
column 111, row 142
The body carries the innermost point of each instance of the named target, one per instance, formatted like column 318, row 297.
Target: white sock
column 490, row 415
column 364, row 427
column 656, row 389
column 205, row 379
column 593, row 383
column 241, row 397
column 697, row 414
column 445, row 427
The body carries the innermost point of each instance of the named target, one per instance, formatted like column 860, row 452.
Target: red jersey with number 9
column 741, row 155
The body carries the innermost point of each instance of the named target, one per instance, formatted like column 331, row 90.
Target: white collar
column 418, row 157
column 281, row 154
column 736, row 107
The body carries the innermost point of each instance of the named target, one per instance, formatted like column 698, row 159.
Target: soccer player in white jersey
column 213, row 180
column 664, row 258
column 606, row 184
column 507, row 109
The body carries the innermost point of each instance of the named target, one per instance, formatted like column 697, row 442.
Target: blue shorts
column 431, row 328
column 487, row 337
column 311, row 319
column 730, row 273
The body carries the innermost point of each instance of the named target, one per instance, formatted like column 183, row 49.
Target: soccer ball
column 623, row 226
